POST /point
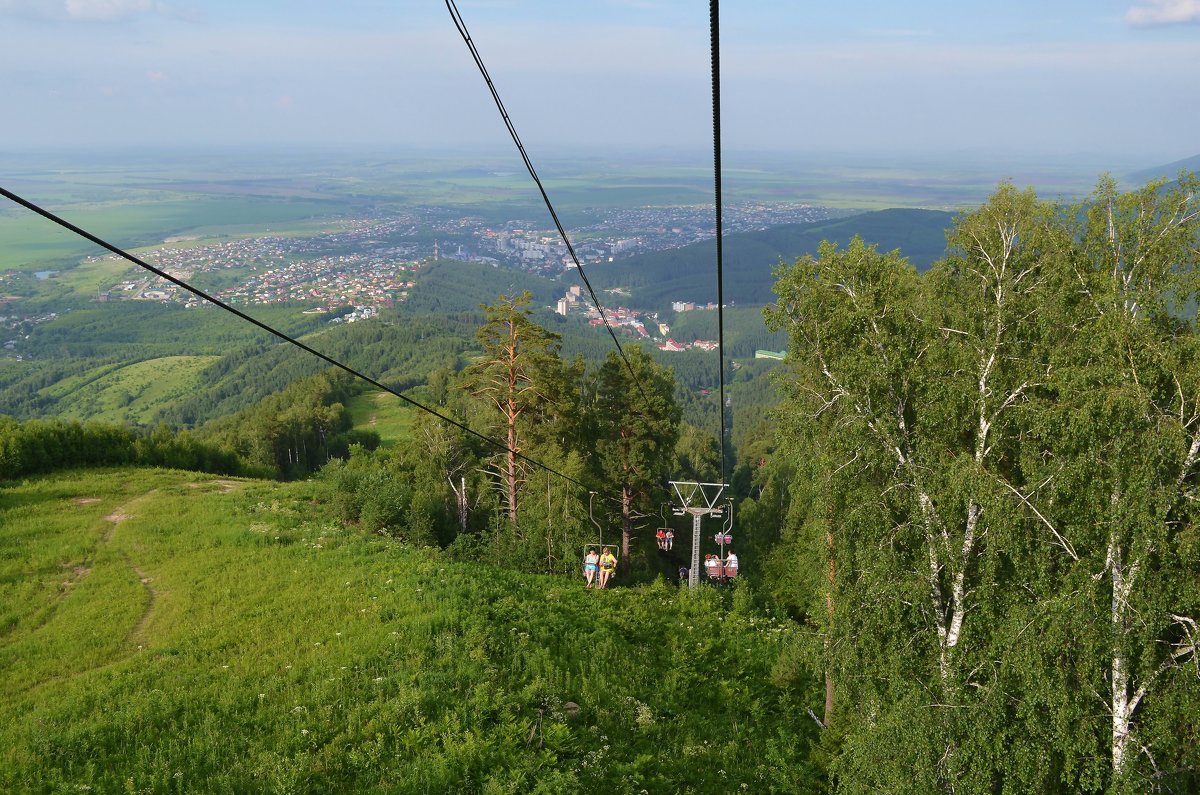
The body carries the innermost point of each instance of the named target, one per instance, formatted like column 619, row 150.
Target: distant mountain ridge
column 750, row 258
column 1169, row 170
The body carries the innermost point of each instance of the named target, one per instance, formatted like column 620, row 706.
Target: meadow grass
column 89, row 277
column 383, row 413
column 170, row 632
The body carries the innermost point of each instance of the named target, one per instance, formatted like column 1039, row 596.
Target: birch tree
column 1134, row 446
column 1005, row 450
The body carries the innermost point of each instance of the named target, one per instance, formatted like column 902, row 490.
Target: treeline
column 686, row 273
column 287, row 435
column 399, row 352
column 449, row 286
column 41, row 446
column 294, row 432
column 745, row 330
column 614, row 429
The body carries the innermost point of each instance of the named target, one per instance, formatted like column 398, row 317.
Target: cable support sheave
column 715, row 29
column 562, row 233
column 271, row 330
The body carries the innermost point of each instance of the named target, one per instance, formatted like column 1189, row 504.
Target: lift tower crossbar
column 699, row 500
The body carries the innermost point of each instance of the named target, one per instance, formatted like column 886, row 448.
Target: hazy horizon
column 1033, row 80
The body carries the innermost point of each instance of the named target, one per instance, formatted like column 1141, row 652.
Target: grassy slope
column 163, row 631
column 383, row 413
column 128, row 393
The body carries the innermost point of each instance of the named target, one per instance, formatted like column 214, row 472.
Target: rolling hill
column 687, row 274
column 1168, row 170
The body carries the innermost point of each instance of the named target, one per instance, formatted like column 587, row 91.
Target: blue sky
column 1052, row 78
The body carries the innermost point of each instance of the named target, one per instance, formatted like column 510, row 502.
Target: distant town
column 366, row 264
column 369, row 262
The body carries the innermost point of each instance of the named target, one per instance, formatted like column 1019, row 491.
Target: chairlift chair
column 599, row 547
column 717, row 568
column 664, row 528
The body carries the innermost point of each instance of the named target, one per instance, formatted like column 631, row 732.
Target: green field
column 31, row 242
column 164, row 631
column 383, row 413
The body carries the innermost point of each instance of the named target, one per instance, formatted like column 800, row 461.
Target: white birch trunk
column 1122, row 708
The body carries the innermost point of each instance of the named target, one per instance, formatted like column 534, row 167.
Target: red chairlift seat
column 719, row 570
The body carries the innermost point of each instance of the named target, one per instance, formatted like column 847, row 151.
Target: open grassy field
column 30, row 242
column 383, row 413
column 165, row 632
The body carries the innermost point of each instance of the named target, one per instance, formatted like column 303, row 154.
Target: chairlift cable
column 562, row 232
column 715, row 31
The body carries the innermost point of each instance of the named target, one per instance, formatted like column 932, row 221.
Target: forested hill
column 448, row 286
column 686, row 274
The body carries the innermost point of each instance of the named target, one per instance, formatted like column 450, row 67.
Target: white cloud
column 1163, row 12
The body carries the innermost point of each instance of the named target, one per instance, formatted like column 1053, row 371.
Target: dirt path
column 144, row 619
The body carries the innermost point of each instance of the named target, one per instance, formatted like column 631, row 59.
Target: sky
column 1046, row 78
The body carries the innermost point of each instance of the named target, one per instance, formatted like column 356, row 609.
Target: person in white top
column 731, row 561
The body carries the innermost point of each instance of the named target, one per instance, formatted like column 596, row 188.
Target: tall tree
column 1135, row 428
column 636, row 422
column 518, row 354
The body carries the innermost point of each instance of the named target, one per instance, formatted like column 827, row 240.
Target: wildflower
column 304, row 731
column 261, row 696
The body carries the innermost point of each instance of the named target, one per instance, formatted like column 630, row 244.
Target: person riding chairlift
column 591, row 564
column 669, row 539
column 661, row 537
column 608, row 565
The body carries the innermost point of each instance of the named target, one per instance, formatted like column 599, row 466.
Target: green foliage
column 995, row 467
column 296, row 431
column 40, row 446
column 447, row 287
column 636, row 431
